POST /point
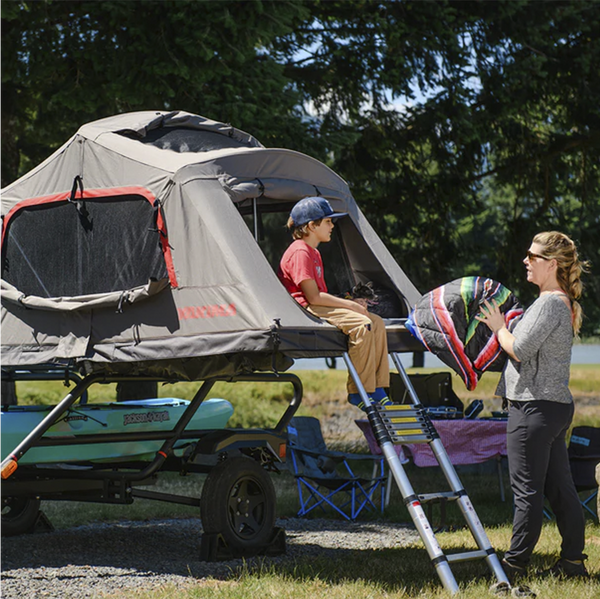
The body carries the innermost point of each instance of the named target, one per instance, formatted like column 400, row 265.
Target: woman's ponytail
column 561, row 248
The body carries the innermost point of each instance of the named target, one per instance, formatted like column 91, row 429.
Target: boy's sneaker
column 503, row 589
column 386, row 401
column 380, row 396
column 565, row 568
column 356, row 400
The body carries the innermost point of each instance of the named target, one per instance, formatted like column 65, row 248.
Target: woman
column 536, row 384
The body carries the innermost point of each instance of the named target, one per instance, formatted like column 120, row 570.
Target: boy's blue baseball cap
column 313, row 208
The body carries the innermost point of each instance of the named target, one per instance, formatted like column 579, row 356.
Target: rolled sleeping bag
column 443, row 320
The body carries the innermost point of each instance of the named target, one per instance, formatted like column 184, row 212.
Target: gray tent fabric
column 85, row 302
column 191, row 191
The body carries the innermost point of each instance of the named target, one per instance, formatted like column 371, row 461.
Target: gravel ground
column 92, row 560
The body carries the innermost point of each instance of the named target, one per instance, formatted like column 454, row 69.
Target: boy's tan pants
column 368, row 347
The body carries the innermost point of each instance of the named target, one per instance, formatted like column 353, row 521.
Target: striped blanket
column 444, row 321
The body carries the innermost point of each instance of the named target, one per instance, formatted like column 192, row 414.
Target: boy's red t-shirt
column 301, row 262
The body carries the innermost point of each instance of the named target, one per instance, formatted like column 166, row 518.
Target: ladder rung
column 391, row 413
column 419, row 437
column 396, row 406
column 406, row 423
column 448, row 495
column 403, row 420
column 467, row 556
column 401, row 426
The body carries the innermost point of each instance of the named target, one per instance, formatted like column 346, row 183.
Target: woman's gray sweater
column 543, row 341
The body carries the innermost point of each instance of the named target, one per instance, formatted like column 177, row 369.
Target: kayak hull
column 152, row 415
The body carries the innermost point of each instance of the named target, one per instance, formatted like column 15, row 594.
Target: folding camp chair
column 326, row 478
column 584, row 455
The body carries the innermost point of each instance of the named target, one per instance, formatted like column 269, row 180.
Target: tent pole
column 255, row 210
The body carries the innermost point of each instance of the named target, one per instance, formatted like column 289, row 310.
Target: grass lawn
column 387, row 573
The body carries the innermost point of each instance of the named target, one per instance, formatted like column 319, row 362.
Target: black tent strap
column 276, row 343
column 157, row 207
column 124, row 299
column 77, row 182
column 261, row 187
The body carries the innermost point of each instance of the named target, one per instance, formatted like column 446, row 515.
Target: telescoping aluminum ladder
column 395, row 424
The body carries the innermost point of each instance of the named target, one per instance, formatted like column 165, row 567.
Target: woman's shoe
column 512, row 571
column 565, row 568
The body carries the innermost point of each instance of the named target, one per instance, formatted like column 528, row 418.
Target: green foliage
column 66, row 63
column 463, row 128
column 495, row 134
column 403, row 572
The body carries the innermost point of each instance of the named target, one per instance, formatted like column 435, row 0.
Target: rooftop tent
column 147, row 244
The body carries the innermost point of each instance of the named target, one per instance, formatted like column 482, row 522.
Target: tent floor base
column 214, row 548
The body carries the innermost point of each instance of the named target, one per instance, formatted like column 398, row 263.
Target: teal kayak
column 149, row 415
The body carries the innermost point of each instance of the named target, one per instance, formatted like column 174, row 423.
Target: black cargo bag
column 433, row 390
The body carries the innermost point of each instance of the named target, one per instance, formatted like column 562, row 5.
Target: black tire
column 238, row 501
column 19, row 515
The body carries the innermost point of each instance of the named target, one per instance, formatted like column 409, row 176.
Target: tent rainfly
column 147, row 245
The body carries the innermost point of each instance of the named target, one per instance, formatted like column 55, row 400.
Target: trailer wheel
column 19, row 515
column 238, row 501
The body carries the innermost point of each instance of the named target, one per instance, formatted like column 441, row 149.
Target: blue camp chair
column 325, row 478
column 584, row 455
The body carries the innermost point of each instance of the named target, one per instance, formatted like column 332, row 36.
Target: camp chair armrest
column 362, row 456
column 335, row 455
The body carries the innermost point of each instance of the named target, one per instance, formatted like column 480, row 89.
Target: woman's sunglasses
column 532, row 256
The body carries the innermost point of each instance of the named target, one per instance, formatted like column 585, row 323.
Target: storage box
column 433, row 390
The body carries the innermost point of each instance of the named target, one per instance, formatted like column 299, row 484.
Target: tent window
column 56, row 249
column 274, row 238
column 347, row 257
column 182, row 139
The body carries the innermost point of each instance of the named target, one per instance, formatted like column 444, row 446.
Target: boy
column 301, row 272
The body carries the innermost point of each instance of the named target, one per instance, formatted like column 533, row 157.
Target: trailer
column 145, row 248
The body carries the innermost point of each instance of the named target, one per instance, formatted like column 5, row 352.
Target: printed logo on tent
column 214, row 311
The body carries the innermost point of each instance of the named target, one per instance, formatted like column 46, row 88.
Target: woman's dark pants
column 539, row 466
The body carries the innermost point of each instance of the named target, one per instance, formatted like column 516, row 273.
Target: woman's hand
column 491, row 316
column 494, row 319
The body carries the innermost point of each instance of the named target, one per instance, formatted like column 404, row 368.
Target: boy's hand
column 360, row 306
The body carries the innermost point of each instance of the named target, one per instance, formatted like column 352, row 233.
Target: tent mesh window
column 340, row 269
column 64, row 249
column 274, row 239
column 181, row 139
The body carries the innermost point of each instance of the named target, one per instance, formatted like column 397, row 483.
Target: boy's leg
column 382, row 364
column 361, row 344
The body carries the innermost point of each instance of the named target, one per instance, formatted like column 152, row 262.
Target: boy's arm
column 318, row 298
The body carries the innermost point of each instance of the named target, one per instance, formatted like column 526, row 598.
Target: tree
column 462, row 127
column 504, row 143
column 67, row 63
